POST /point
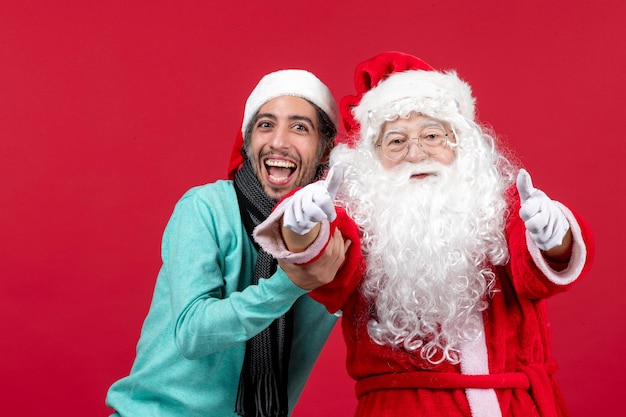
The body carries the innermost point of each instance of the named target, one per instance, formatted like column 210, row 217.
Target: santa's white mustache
column 408, row 170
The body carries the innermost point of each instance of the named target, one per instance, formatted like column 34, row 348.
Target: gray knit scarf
column 263, row 380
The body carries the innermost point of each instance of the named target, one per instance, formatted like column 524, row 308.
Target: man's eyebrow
column 302, row 118
column 294, row 117
column 265, row 116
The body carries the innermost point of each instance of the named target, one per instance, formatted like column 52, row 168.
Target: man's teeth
column 279, row 163
column 279, row 170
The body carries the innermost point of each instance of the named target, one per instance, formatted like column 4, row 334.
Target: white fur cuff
column 577, row 260
column 269, row 237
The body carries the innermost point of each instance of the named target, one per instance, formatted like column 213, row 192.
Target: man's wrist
column 299, row 243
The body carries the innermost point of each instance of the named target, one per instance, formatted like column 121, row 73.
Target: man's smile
column 279, row 171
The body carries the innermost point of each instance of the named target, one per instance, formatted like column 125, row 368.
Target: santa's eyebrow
column 394, row 130
column 432, row 123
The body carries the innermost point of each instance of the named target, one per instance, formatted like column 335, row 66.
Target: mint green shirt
column 203, row 311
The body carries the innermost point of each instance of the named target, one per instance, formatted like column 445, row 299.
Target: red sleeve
column 529, row 281
column 334, row 294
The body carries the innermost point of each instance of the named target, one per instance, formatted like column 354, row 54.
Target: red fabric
column 236, row 160
column 516, row 331
column 350, row 270
column 369, row 73
column 440, row 380
column 352, row 266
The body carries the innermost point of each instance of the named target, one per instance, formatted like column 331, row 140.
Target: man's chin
column 277, row 193
column 276, row 188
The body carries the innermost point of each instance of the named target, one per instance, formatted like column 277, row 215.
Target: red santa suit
column 508, row 371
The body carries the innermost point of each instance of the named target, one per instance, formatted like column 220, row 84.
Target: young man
column 227, row 332
column 446, row 316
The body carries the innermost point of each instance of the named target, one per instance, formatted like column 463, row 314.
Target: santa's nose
column 415, row 154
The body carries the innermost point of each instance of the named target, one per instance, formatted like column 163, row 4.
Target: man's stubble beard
column 307, row 172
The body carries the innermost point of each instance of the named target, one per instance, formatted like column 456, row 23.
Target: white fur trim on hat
column 290, row 82
column 436, row 94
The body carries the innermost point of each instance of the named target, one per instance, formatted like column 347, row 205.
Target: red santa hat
column 288, row 82
column 394, row 84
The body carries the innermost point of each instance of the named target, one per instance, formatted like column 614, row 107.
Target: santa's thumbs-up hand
column 313, row 203
column 545, row 222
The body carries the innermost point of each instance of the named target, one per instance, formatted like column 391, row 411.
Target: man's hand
column 545, row 222
column 313, row 203
column 323, row 269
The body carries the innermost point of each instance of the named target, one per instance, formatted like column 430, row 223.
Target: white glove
column 313, row 203
column 545, row 222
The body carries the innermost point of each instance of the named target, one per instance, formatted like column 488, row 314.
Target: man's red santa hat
column 288, row 82
column 394, row 84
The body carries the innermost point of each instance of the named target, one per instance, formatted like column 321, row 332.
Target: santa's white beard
column 429, row 245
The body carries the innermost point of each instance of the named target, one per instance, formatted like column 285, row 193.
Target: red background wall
column 109, row 111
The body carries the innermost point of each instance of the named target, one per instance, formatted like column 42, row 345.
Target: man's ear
column 330, row 144
column 325, row 157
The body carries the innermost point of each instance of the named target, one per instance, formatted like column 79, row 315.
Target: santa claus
column 454, row 252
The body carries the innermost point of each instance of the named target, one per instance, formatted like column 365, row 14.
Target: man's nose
column 280, row 138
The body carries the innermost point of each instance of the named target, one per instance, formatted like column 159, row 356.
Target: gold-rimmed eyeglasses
column 395, row 145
